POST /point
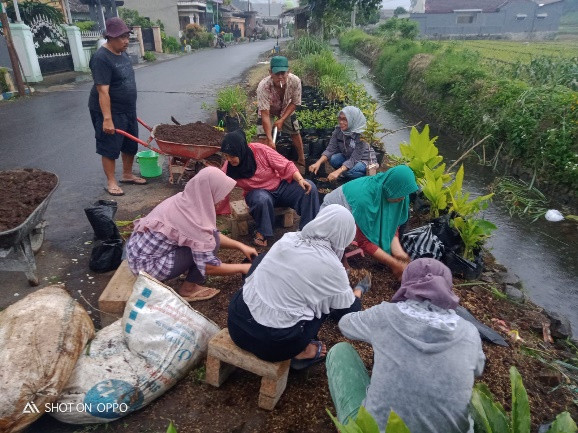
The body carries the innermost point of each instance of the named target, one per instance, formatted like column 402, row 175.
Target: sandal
column 201, row 295
column 260, row 240
column 301, row 364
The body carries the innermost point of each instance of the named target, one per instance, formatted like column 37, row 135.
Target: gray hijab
column 427, row 279
column 356, row 121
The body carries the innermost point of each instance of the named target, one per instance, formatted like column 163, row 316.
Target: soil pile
column 198, row 133
column 21, row 191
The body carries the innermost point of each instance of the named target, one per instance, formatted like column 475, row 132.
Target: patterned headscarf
column 235, row 144
column 427, row 279
column 356, row 121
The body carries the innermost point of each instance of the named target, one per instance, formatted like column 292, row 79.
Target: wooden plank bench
column 224, row 355
column 240, row 217
column 113, row 299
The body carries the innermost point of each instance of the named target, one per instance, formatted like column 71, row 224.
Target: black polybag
column 100, row 215
column 106, row 255
column 486, row 332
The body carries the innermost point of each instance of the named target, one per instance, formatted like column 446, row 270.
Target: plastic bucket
column 149, row 163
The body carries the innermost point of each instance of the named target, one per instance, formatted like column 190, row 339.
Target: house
column 176, row 14
column 483, row 19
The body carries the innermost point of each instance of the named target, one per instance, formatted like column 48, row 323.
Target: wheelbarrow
column 179, row 154
column 18, row 245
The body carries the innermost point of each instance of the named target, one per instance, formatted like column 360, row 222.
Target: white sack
column 138, row 358
column 41, row 337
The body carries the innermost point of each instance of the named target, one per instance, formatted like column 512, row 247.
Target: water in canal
column 542, row 254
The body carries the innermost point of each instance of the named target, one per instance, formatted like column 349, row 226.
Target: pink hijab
column 427, row 279
column 189, row 218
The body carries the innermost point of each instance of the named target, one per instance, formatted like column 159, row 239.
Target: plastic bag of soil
column 106, row 255
column 448, row 235
column 101, row 218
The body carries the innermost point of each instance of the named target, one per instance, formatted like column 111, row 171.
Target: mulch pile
column 198, row 133
column 21, row 191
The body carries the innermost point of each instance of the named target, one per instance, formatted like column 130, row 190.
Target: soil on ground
column 194, row 406
column 197, row 133
column 21, row 191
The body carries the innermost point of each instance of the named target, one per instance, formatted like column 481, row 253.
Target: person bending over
column 180, row 235
column 425, row 357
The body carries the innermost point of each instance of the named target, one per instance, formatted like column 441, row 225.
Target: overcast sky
column 392, row 4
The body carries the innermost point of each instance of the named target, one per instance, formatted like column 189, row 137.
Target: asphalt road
column 52, row 131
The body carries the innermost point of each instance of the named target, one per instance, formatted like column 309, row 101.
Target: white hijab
column 356, row 122
column 302, row 276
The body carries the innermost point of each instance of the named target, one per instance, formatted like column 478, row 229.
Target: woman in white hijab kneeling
column 290, row 292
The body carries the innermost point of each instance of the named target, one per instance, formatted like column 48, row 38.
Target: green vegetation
column 86, row 26
column 149, row 56
column 521, row 199
column 232, row 100
column 197, row 37
column 31, row 9
column 490, row 417
column 132, row 18
column 365, row 423
column 529, row 110
column 170, row 44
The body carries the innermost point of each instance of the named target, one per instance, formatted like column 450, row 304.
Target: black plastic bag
column 106, row 255
column 449, row 236
column 463, row 267
column 486, row 332
column 100, row 216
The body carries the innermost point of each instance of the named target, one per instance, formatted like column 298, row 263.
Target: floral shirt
column 268, row 99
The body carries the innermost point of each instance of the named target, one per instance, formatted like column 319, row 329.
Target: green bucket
column 149, row 163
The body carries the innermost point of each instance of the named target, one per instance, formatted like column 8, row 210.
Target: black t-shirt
column 116, row 71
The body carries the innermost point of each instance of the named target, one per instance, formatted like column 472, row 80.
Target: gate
column 148, row 39
column 51, row 45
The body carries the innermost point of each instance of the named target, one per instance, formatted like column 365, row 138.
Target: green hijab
column 377, row 218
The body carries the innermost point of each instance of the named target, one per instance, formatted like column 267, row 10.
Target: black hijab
column 235, row 144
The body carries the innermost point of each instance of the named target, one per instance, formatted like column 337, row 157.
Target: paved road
column 52, row 131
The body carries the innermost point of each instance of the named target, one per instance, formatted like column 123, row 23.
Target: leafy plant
column 170, row 43
column 490, row 417
column 473, row 232
column 460, row 202
column 434, row 190
column 149, row 56
column 171, row 428
column 86, row 26
column 422, row 152
column 365, row 423
column 3, row 81
column 32, row 9
column 233, row 100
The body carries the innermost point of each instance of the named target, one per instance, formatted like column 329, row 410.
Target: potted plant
column 231, row 104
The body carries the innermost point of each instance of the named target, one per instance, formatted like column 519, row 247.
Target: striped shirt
column 154, row 253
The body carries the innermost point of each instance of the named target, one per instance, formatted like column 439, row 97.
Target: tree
column 400, row 10
column 322, row 11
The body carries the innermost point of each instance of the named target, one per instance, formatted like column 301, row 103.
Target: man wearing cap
column 278, row 95
column 112, row 104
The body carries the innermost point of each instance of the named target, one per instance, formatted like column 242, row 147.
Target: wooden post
column 12, row 52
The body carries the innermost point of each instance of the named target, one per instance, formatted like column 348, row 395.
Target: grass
column 520, row 198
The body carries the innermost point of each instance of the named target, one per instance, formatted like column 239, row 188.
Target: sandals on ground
column 201, row 295
column 260, row 240
column 300, row 364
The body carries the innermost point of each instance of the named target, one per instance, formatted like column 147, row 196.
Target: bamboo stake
column 467, row 152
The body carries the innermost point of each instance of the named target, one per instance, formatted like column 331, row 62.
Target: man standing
column 112, row 104
column 278, row 95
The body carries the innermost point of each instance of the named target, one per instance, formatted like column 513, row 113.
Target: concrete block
column 113, row 299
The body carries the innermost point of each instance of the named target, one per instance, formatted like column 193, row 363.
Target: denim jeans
column 356, row 171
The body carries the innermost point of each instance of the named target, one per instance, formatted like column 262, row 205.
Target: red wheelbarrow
column 179, row 154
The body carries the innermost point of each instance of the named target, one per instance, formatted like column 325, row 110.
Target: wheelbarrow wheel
column 37, row 237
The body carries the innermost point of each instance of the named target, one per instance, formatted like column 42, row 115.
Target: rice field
column 518, row 51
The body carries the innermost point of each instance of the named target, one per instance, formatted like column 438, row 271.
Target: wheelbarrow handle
column 142, row 122
column 138, row 140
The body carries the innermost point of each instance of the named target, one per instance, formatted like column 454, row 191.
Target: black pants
column 274, row 344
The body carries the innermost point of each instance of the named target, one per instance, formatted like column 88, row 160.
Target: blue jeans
column 358, row 170
column 262, row 204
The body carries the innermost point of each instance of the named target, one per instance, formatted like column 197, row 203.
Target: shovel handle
column 274, row 135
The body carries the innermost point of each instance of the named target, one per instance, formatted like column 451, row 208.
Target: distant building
column 485, row 19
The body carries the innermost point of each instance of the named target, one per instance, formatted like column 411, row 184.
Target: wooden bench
column 113, row 299
column 240, row 217
column 223, row 356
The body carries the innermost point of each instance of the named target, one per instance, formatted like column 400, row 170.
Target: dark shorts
column 110, row 145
